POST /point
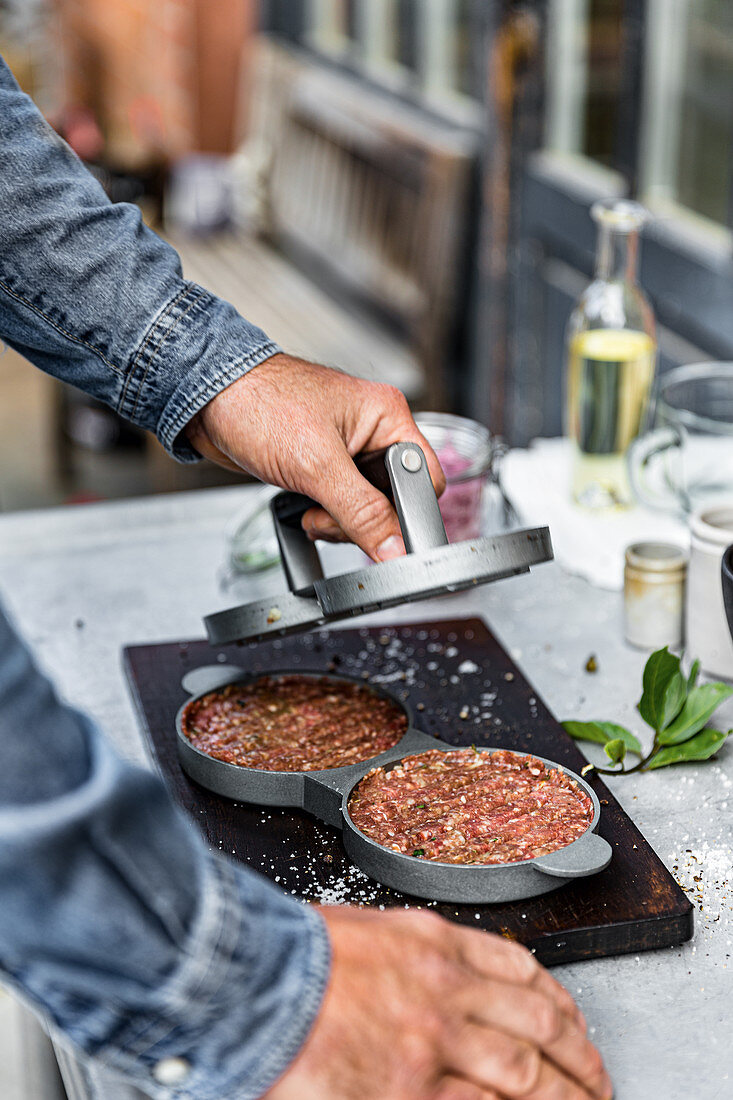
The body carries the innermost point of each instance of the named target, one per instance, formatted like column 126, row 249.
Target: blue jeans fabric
column 135, row 941
column 116, row 923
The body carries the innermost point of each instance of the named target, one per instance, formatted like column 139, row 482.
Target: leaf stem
column 638, row 767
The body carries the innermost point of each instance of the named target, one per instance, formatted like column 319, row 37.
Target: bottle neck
column 617, row 254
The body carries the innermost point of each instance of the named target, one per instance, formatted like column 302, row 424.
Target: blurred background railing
column 398, row 187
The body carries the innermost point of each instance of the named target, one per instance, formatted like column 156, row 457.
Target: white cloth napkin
column 537, row 482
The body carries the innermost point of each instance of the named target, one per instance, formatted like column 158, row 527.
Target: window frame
column 663, row 61
column 372, row 63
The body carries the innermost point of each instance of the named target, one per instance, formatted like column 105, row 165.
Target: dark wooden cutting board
column 465, row 688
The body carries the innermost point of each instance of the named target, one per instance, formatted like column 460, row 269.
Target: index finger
column 319, row 523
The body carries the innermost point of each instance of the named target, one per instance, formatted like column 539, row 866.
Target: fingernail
column 393, row 547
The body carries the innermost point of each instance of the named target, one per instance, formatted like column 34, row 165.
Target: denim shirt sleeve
column 92, row 296
column 115, row 921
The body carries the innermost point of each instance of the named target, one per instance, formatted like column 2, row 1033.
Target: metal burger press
column 431, row 567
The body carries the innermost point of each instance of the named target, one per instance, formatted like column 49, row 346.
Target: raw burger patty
column 470, row 806
column 293, row 723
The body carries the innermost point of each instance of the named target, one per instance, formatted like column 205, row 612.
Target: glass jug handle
column 642, row 459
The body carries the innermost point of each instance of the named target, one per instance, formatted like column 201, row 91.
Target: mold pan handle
column 586, row 856
column 209, row 677
column 324, row 791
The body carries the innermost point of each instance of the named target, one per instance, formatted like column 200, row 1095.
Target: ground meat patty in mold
column 293, row 723
column 469, row 806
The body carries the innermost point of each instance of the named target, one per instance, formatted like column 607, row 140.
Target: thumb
column 358, row 509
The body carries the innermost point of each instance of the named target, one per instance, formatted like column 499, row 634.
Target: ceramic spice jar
column 654, row 584
column 708, row 636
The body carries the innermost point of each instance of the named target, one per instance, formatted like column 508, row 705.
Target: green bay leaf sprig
column 676, row 708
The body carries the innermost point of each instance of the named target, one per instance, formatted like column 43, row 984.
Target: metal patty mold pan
column 326, row 793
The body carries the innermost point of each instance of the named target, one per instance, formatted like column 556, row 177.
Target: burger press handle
column 400, row 471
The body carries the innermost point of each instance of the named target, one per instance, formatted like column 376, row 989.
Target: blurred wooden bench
column 354, row 259
column 369, row 197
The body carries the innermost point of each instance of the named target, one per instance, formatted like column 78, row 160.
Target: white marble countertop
column 82, row 582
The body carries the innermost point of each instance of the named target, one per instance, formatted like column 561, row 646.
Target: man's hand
column 298, row 425
column 418, row 1008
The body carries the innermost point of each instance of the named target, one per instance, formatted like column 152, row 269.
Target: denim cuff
column 196, row 346
column 238, row 1008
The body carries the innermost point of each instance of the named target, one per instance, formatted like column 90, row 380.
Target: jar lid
column 656, row 557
